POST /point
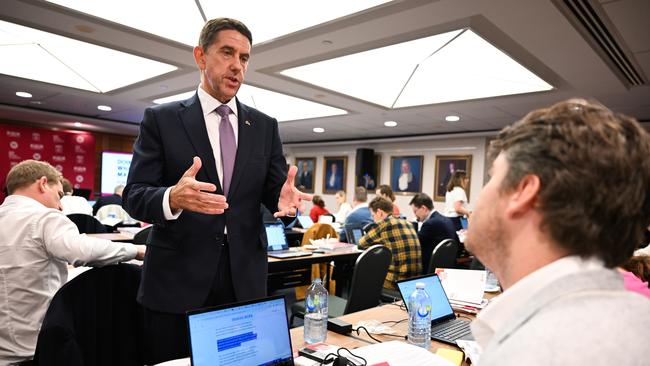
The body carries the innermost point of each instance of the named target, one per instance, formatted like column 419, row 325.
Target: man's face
column 406, row 168
column 52, row 195
column 420, row 212
column 333, row 168
column 305, row 167
column 378, row 215
column 486, row 236
column 224, row 64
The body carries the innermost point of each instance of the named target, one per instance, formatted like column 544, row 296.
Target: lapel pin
column 247, row 123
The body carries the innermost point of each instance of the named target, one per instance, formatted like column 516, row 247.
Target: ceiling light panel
column 453, row 66
column 151, row 16
column 33, row 54
column 468, row 68
column 280, row 106
column 260, row 16
column 376, row 75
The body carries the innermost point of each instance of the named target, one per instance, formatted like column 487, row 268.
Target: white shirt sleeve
column 167, row 210
column 63, row 241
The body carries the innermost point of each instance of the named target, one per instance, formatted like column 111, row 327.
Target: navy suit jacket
column 434, row 230
column 182, row 255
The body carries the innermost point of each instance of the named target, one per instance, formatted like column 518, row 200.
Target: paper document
column 463, row 284
column 397, row 353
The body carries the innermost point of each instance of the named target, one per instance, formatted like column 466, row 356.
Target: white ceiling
column 535, row 33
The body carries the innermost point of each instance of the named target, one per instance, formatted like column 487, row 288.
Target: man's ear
column 199, row 57
column 41, row 183
column 523, row 197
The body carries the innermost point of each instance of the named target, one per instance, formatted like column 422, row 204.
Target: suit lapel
column 191, row 115
column 244, row 144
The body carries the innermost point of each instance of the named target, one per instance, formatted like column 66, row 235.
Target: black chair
column 87, row 224
column 93, row 320
column 142, row 236
column 443, row 255
column 368, row 277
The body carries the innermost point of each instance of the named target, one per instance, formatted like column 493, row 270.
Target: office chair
column 443, row 255
column 93, row 320
column 87, row 224
column 368, row 277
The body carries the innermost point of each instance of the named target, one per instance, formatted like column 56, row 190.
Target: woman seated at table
column 318, row 209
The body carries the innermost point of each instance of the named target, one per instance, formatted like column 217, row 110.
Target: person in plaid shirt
column 399, row 236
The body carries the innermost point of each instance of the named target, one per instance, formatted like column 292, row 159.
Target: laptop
column 277, row 242
column 247, row 333
column 445, row 327
column 353, row 234
column 305, row 221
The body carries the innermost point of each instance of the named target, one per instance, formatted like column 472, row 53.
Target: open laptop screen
column 440, row 307
column 305, row 221
column 275, row 236
column 249, row 333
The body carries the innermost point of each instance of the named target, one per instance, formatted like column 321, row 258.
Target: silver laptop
column 445, row 327
column 277, row 242
column 247, row 333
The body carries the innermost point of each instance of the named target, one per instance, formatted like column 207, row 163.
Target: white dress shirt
column 209, row 105
column 36, row 243
column 503, row 307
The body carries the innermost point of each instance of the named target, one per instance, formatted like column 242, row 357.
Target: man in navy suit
column 201, row 169
column 434, row 227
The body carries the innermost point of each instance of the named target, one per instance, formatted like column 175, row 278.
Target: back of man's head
column 119, row 189
column 27, row 172
column 594, row 174
column 380, row 203
column 67, row 187
column 360, row 195
column 422, row 199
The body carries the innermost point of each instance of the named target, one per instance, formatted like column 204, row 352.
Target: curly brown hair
column 594, row 171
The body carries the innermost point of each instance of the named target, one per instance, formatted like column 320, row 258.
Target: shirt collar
column 360, row 205
column 502, row 308
column 210, row 103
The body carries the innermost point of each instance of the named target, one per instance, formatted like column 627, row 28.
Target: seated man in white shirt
column 73, row 204
column 566, row 204
column 37, row 241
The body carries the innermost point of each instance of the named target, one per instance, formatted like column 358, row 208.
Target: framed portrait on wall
column 334, row 173
column 406, row 174
column 445, row 168
column 378, row 170
column 305, row 175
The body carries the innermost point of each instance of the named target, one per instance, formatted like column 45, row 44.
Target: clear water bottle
column 420, row 317
column 316, row 313
column 491, row 281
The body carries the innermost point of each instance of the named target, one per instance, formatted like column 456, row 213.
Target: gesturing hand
column 290, row 197
column 193, row 195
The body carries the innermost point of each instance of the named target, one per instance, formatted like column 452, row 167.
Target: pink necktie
column 228, row 146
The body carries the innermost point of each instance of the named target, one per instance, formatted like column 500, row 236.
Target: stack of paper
column 463, row 286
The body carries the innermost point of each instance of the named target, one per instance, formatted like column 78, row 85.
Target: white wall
column 428, row 147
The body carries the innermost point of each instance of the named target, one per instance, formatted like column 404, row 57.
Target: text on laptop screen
column 275, row 237
column 439, row 303
column 250, row 334
column 358, row 234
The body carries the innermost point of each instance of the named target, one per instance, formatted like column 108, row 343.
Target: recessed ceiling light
column 452, row 118
column 104, row 108
column 460, row 63
column 390, row 123
column 37, row 55
column 318, row 129
column 272, row 103
column 77, row 124
column 24, row 94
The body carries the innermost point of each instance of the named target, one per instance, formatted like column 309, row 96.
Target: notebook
column 247, row 333
column 277, row 242
column 305, row 221
column 445, row 327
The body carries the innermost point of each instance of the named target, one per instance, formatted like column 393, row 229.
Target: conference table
column 393, row 313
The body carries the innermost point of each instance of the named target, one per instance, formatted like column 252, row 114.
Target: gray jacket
column 579, row 319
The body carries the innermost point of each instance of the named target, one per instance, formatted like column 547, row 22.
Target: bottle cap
column 419, row 285
column 317, row 280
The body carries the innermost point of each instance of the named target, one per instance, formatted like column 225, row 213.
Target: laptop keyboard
column 451, row 331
